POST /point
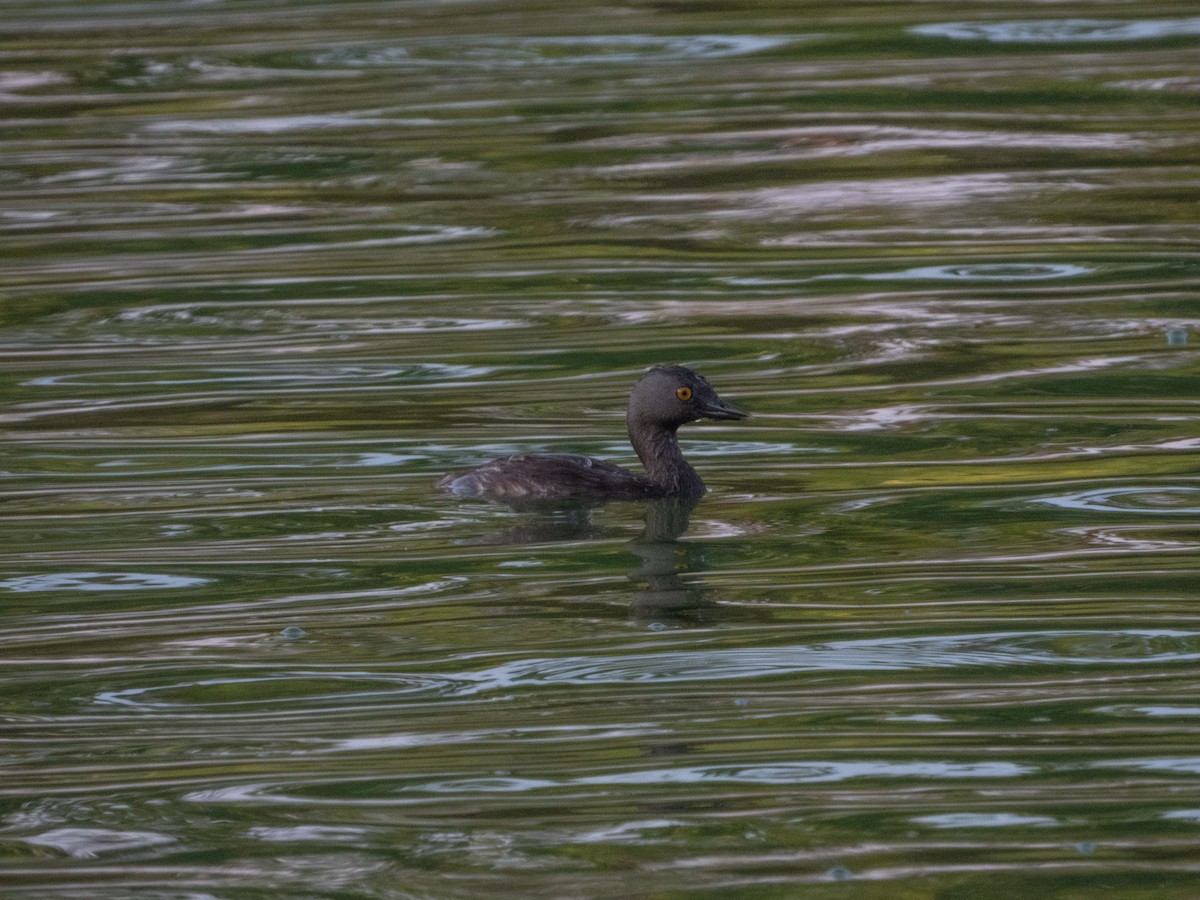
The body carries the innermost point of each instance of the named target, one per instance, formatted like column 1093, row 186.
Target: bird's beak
column 719, row 409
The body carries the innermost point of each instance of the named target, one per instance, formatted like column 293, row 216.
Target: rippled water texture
column 270, row 269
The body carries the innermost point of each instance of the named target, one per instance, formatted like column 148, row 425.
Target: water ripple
column 1183, row 815
column 1170, row 500
column 1178, row 83
column 88, row 843
column 505, row 52
column 306, row 688
column 984, row 820
column 264, row 375
column 982, row 272
column 1153, row 712
column 314, row 687
column 317, row 833
column 818, row 772
column 1006, row 649
column 1180, row 765
column 812, row 772
column 282, row 124
column 1005, row 271
column 777, row 773
column 1061, row 31
column 832, row 197
column 1131, row 539
column 100, row 581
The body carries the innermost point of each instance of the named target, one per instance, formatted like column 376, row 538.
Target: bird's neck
column 658, row 449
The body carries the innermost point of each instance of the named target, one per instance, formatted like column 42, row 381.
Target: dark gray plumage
column 665, row 398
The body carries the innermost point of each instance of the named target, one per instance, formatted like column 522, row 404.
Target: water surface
column 270, row 270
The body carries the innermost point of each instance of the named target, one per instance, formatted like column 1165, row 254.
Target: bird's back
column 557, row 478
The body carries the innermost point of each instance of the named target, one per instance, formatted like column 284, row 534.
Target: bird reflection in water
column 670, row 592
column 666, row 595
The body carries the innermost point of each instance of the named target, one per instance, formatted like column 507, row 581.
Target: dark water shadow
column 543, row 525
column 666, row 596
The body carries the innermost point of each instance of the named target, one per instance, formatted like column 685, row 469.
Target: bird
column 663, row 399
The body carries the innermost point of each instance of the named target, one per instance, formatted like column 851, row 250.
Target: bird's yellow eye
column 684, row 393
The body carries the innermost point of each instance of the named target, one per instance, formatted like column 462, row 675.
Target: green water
column 268, row 270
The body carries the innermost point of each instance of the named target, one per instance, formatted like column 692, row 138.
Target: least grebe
column 662, row 400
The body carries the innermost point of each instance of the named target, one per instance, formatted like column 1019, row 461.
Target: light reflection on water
column 1063, row 30
column 504, row 52
column 1153, row 500
column 878, row 654
column 270, row 275
column 780, row 773
column 99, row 581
